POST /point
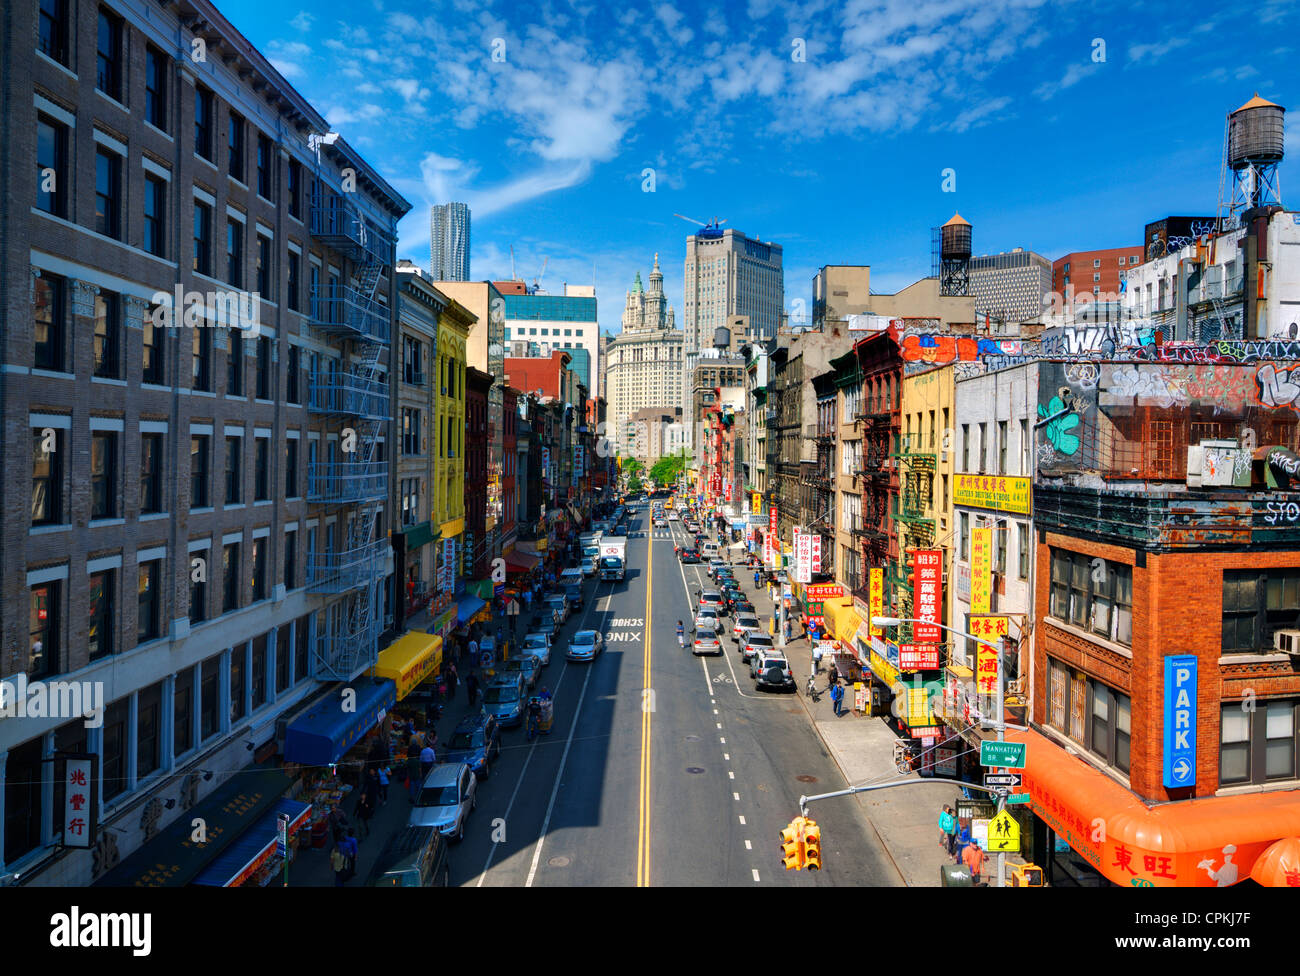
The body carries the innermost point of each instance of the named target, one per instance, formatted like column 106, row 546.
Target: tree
column 668, row 468
column 634, row 484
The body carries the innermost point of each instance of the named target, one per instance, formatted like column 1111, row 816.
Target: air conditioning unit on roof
column 1287, row 641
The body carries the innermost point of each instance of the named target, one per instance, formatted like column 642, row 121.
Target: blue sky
column 838, row 154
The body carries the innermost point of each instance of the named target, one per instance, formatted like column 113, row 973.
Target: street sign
column 1001, row 779
column 1005, row 754
column 282, row 834
column 1018, row 798
column 1004, row 834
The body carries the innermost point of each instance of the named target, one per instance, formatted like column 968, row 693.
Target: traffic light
column 792, row 845
column 812, row 842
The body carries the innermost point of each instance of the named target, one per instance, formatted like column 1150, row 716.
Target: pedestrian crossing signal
column 792, row 845
column 812, row 845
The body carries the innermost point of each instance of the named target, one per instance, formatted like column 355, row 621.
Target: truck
column 589, row 546
column 613, row 558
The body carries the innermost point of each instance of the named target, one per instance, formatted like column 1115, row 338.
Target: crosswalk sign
column 1004, row 834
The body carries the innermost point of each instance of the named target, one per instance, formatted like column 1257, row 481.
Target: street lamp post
column 1000, row 723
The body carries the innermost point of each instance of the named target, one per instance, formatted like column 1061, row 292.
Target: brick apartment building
column 185, row 520
column 1098, row 272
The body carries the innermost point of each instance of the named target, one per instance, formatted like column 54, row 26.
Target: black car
column 573, row 593
column 731, row 595
column 689, row 556
column 476, row 741
column 742, row 606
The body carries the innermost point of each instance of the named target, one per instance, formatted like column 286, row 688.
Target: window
column 265, row 372
column 52, row 171
column 47, row 476
column 155, row 206
column 106, row 346
column 148, row 620
column 235, row 144
column 1002, row 447
column 108, row 55
column 100, row 614
column 202, row 239
column 1000, row 548
column 291, row 480
column 203, row 122
column 1109, row 725
column 301, row 647
column 295, row 188
column 265, row 161
column 108, row 193
column 155, row 87
column 1096, row 277
column 262, row 469
column 259, row 568
column 258, row 672
column 43, row 630
column 963, row 524
column 412, row 361
column 1022, row 531
column 283, row 658
column 238, row 681
column 290, row 564
column 199, row 570
column 410, row 431
column 113, row 764
column 265, row 269
column 50, row 328
column 151, row 468
column 200, row 470
column 234, row 481
column 230, row 577
column 1093, row 593
column 234, row 252
column 183, row 712
column 152, row 360
column 53, row 30
column 235, row 364
column 1258, row 746
column 1256, row 604
column 103, row 474
column 292, row 379
column 292, row 299
column 1025, row 445
column 209, row 699
column 148, row 737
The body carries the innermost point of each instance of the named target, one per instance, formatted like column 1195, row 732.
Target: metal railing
column 339, row 572
column 347, row 310
column 347, row 481
column 348, row 394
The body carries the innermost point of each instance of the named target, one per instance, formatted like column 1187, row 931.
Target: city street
column 691, row 790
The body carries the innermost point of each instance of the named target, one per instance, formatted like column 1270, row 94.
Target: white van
column 709, row 551
column 571, row 576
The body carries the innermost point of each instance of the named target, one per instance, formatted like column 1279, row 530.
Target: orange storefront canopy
column 1203, row 843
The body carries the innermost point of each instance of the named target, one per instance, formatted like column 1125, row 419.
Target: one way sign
column 1001, row 779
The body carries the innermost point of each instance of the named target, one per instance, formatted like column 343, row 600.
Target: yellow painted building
column 447, row 443
column 927, row 458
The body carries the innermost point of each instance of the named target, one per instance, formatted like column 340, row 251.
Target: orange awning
column 1203, row 843
column 1279, row 866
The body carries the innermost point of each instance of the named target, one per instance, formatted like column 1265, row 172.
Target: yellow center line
column 647, row 703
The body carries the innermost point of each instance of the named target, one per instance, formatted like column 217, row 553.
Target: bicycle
column 811, row 689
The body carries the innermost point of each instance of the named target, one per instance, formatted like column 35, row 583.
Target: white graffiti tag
column 1277, row 387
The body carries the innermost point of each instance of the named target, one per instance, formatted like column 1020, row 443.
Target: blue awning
column 326, row 732
column 254, row 847
column 467, row 606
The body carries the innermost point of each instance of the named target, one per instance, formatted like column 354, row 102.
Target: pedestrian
column 365, row 810
column 427, row 758
column 837, row 698
column 963, row 839
column 339, row 864
column 453, row 680
column 471, row 688
column 817, row 657
column 473, row 649
column 952, row 832
column 338, row 822
column 413, row 780
column 947, row 829
column 973, row 858
column 350, row 850
column 385, row 775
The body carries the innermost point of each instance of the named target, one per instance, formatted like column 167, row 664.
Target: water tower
column 1254, row 150
column 951, row 256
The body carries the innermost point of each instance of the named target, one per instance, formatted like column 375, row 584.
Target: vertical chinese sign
column 876, row 597
column 981, row 568
column 772, row 543
column 758, row 504
column 816, row 552
column 928, row 567
column 986, row 655
column 78, row 827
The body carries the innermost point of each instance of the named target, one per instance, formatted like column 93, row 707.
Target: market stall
column 253, row 860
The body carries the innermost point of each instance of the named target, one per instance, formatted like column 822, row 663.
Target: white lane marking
column 726, row 756
column 736, row 797
column 722, row 740
column 748, row 846
column 730, row 774
column 755, row 874
column 715, row 711
column 742, row 821
column 719, row 724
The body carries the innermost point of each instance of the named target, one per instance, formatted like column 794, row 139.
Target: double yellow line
column 647, row 711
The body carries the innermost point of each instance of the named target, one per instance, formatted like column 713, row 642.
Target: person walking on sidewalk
column 339, row 864
column 471, row 688
column 973, row 858
column 947, row 829
column 816, row 657
column 837, row 698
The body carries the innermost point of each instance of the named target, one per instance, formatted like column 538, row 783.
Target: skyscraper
column 449, row 241
column 728, row 273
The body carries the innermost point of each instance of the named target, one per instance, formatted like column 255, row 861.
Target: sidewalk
column 905, row 819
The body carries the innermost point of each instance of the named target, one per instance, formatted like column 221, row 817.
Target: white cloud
column 1151, row 53
column 1074, row 74
column 302, row 22
column 980, row 115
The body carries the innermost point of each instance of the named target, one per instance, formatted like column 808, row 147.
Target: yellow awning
column 409, row 660
column 842, row 621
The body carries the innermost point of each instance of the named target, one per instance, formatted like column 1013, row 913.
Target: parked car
column 706, row 642
column 445, row 800
column 525, row 665
column 688, row 556
column 742, row 606
column 475, row 741
column 504, row 698
column 745, row 623
column 731, row 595
column 714, row 563
column 711, row 598
column 755, row 644
column 558, row 603
column 545, row 620
column 585, row 645
column 414, row 857
column 538, row 644
column 673, row 516
column 708, row 619
column 573, row 594
column 771, row 671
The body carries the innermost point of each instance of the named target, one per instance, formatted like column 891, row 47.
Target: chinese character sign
column 773, row 548
column 876, row 594
column 928, row 565
column 802, row 557
column 981, row 568
column 918, row 657
column 758, row 504
column 728, row 486
column 76, row 805
column 816, row 553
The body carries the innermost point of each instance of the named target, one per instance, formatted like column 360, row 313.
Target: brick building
column 1098, row 272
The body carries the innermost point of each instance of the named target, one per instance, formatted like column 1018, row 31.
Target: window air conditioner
column 1287, row 641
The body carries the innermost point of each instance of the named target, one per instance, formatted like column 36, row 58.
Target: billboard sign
column 927, row 595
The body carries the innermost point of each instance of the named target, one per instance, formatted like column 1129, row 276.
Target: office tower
column 449, row 241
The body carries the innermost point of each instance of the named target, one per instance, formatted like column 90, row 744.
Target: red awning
column 520, row 562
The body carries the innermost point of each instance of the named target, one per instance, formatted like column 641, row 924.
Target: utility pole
column 1001, row 727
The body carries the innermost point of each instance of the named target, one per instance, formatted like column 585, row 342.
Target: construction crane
column 707, row 229
column 537, row 282
column 513, row 275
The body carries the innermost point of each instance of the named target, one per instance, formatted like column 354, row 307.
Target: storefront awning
column 418, row 535
column 842, row 621
column 1162, row 846
column 326, row 732
column 521, row 562
column 409, row 660
column 254, row 847
column 467, row 606
column 172, row 859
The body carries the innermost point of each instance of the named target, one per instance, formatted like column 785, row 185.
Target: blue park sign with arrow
column 1180, row 721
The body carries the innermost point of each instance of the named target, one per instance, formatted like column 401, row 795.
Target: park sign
column 1008, row 755
column 1180, row 720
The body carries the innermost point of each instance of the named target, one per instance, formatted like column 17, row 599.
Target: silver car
column 708, row 620
column 754, row 645
column 538, row 645
column 706, row 642
column 585, row 645
column 446, row 799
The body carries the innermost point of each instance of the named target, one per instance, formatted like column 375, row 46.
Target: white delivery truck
column 613, row 558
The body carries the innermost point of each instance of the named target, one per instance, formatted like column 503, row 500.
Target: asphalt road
column 662, row 768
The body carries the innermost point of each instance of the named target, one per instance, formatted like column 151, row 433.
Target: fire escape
column 353, row 481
